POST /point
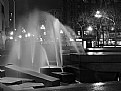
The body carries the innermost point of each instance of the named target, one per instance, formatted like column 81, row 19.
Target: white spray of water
column 29, row 53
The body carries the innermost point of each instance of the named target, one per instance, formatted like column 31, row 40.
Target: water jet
column 40, row 45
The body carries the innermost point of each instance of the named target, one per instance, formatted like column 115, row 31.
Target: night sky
column 24, row 6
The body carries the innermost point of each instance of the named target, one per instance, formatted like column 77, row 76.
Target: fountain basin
column 65, row 77
column 49, row 69
column 55, row 71
column 2, row 73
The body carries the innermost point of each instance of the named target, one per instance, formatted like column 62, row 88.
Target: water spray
column 53, row 27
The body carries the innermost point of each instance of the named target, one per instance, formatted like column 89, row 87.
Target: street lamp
column 104, row 16
column 90, row 28
column 98, row 14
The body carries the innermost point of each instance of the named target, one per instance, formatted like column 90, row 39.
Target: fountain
column 38, row 42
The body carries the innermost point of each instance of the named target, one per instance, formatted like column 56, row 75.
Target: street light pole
column 14, row 15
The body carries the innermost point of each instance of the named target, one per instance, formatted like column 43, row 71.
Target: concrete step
column 15, row 71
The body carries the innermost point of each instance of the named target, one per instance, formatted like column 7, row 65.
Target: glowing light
column 98, row 14
column 71, row 39
column 79, row 33
column 90, row 28
column 95, row 53
column 118, row 79
column 78, row 39
column 11, row 33
column 11, row 37
column 28, row 34
column 41, row 39
column 112, row 28
column 24, row 31
column 61, row 31
column 90, row 53
column 15, row 29
column 11, row 14
column 20, row 36
column 42, row 27
column 44, row 33
column 10, row 19
column 84, row 44
column 98, row 84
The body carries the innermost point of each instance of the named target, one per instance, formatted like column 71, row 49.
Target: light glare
column 98, row 14
column 112, row 28
column 11, row 37
column 44, row 33
column 71, row 39
column 20, row 36
column 90, row 28
column 61, row 31
column 26, row 35
column 11, row 33
column 98, row 84
column 42, row 27
column 24, row 31
column 29, row 34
